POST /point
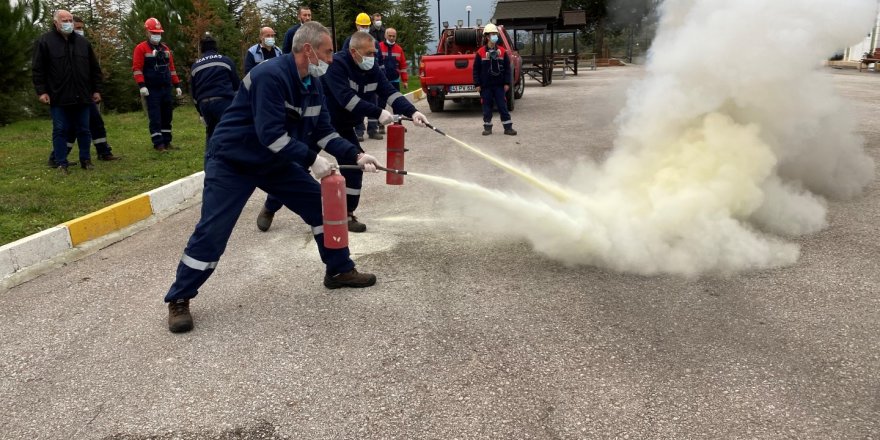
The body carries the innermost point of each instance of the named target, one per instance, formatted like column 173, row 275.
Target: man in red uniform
column 153, row 68
column 395, row 65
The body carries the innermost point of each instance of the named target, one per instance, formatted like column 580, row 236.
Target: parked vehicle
column 448, row 74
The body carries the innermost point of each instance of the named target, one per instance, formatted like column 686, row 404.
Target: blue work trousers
column 212, row 109
column 160, row 110
column 98, row 134
column 494, row 95
column 227, row 190
column 70, row 118
column 353, row 178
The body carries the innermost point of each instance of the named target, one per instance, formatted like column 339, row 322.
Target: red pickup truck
column 449, row 73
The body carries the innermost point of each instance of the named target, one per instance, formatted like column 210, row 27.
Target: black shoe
column 510, row 132
column 179, row 318
column 171, row 146
column 108, row 157
column 264, row 220
column 352, row 278
column 161, row 148
column 87, row 165
column 381, row 129
column 375, row 135
column 487, row 130
column 354, row 225
column 62, row 169
column 360, row 137
column 52, row 163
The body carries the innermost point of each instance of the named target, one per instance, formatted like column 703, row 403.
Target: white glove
column 144, row 91
column 179, row 92
column 367, row 163
column 419, row 119
column 321, row 167
column 386, row 118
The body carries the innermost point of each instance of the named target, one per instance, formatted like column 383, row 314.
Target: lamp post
column 468, row 9
column 439, row 30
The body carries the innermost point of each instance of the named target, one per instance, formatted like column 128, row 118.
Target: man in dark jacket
column 67, row 77
column 304, row 15
column 214, row 83
column 96, row 121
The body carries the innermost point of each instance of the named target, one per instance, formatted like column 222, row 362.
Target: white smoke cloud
column 729, row 143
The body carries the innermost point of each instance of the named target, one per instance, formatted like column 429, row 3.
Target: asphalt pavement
column 462, row 337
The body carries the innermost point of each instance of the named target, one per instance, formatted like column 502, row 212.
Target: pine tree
column 18, row 22
column 414, row 27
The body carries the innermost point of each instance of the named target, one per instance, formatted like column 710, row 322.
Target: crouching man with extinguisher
column 351, row 85
column 266, row 140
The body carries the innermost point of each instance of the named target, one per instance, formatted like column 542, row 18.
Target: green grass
column 34, row 197
column 413, row 83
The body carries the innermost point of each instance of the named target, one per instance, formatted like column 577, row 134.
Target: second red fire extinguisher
column 335, row 210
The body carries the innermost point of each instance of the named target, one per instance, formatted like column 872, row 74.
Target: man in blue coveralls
column 351, row 87
column 264, row 141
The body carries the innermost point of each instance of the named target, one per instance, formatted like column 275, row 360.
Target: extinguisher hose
column 380, row 168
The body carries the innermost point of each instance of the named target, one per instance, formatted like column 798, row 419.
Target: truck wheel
column 510, row 101
column 520, row 87
column 436, row 104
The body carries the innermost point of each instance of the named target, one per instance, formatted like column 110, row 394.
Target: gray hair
column 309, row 33
column 359, row 39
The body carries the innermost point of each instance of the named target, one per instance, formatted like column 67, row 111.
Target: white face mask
column 390, row 43
column 66, row 28
column 367, row 62
column 80, row 32
column 363, row 29
column 155, row 39
column 378, row 23
column 269, row 42
column 318, row 70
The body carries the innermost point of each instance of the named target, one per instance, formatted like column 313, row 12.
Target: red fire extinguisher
column 395, row 133
column 335, row 210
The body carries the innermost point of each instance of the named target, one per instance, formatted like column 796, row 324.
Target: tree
column 20, row 27
column 414, row 26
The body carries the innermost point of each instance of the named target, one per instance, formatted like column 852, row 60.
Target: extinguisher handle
column 378, row 167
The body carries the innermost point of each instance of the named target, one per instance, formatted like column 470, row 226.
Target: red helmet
column 153, row 25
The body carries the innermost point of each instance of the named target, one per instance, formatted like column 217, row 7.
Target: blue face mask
column 66, row 27
column 155, row 39
column 270, row 42
column 493, row 39
column 367, row 62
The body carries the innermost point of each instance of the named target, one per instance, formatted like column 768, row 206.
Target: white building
column 868, row 44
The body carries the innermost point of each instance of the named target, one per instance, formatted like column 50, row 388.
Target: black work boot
column 487, row 130
column 87, row 165
column 108, row 157
column 62, row 169
column 375, row 135
column 179, row 318
column 352, row 278
column 381, row 129
column 264, row 220
column 354, row 225
column 510, row 131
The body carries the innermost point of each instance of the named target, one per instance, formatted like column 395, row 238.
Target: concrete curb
column 45, row 247
column 29, row 257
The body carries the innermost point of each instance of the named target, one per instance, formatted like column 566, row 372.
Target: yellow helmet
column 363, row 19
column 490, row 28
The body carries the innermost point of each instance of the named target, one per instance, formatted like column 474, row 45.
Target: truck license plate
column 467, row 88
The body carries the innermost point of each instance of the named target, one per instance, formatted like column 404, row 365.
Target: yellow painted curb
column 109, row 219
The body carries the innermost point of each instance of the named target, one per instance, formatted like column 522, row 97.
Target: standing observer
column 304, row 15
column 395, row 65
column 96, row 121
column 492, row 76
column 262, row 51
column 67, row 77
column 214, row 83
column 153, row 67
